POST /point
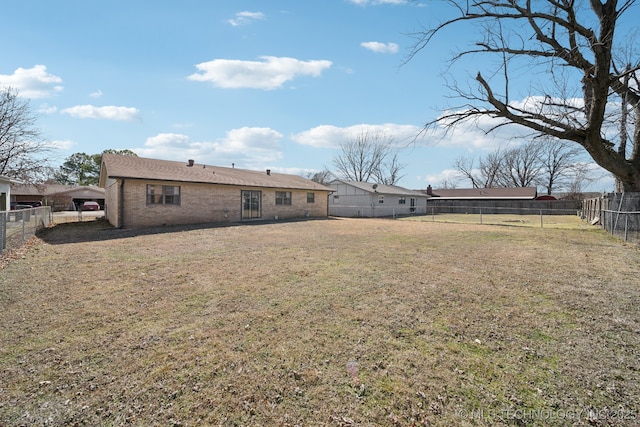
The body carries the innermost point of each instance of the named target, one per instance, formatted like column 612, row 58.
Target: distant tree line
column 548, row 163
column 83, row 169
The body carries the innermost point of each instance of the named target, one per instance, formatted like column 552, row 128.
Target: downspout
column 121, row 205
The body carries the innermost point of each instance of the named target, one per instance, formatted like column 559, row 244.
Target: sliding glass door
column 251, row 204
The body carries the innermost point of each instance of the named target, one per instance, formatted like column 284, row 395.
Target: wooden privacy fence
column 618, row 213
column 508, row 207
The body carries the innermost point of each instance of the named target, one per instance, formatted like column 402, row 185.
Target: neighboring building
column 518, row 200
column 142, row 192
column 517, row 193
column 60, row 197
column 5, row 192
column 364, row 199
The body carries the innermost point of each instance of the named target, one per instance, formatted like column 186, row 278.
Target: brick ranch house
column 143, row 192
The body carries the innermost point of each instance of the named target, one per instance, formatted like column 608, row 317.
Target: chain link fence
column 542, row 215
column 19, row 225
column 511, row 216
column 618, row 213
column 374, row 211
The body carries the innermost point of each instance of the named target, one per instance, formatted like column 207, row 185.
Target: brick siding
column 203, row 203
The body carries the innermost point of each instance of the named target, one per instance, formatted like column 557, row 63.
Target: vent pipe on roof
column 191, row 162
column 268, row 171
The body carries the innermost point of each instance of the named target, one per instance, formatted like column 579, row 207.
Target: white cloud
column 252, row 147
column 245, row 139
column 167, row 140
column 328, row 136
column 96, row 94
column 61, row 144
column 244, row 18
column 33, row 82
column 447, row 175
column 106, row 113
column 379, row 47
column 47, row 109
column 270, row 73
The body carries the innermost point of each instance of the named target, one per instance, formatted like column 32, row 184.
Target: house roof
column 6, row 179
column 381, row 188
column 521, row 193
column 40, row 190
column 117, row 166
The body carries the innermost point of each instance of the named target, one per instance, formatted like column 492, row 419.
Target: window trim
column 160, row 199
column 283, row 200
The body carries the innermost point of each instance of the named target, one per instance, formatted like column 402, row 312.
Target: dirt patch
column 329, row 322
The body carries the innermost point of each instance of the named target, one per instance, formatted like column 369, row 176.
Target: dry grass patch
column 333, row 322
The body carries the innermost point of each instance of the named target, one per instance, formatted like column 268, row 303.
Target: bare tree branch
column 22, row 148
column 369, row 155
column 578, row 37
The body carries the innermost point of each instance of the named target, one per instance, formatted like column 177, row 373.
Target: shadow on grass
column 101, row 230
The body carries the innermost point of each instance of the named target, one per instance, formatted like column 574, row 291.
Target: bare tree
column 579, row 180
column 448, row 184
column 572, row 42
column 323, row 177
column 486, row 174
column 562, row 167
column 369, row 155
column 22, row 148
column 550, row 163
column 388, row 173
column 521, row 166
column 465, row 167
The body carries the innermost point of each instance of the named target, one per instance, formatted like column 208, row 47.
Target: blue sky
column 260, row 84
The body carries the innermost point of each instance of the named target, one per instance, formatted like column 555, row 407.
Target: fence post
column 3, row 230
column 480, row 216
column 541, row 219
column 626, row 225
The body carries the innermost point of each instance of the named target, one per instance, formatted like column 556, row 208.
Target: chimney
column 429, row 191
column 269, row 172
column 191, row 162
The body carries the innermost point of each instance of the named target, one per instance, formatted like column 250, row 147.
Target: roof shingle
column 132, row 167
column 381, row 188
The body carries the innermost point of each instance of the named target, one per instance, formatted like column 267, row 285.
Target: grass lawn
column 339, row 322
